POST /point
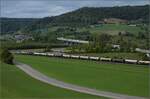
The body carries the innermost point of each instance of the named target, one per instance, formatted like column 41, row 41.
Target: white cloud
column 43, row 8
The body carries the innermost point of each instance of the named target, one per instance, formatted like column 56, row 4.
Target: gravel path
column 43, row 78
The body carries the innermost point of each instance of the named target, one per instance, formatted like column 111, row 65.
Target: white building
column 116, row 46
column 72, row 41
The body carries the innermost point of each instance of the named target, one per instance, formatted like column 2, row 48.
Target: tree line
column 81, row 17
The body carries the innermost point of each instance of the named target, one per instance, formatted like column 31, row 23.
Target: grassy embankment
column 120, row 78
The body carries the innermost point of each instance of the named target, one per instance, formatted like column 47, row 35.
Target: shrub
column 48, row 49
column 6, row 56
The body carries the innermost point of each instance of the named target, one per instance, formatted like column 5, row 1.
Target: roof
column 73, row 40
column 142, row 50
column 115, row 20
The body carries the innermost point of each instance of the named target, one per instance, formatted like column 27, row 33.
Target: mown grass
column 112, row 29
column 120, row 78
column 15, row 84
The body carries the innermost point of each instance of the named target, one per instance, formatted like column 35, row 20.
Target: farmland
column 112, row 29
column 15, row 84
column 119, row 78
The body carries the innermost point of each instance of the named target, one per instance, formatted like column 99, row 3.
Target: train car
column 94, row 58
column 66, row 56
column 58, row 55
column 30, row 53
column 24, row 53
column 17, row 52
column 43, row 54
column 50, row 54
column 118, row 60
column 144, row 62
column 74, row 56
column 84, row 57
column 36, row 53
column 131, row 61
column 105, row 59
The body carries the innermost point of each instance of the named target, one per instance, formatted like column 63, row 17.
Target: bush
column 48, row 49
column 144, row 57
column 6, row 56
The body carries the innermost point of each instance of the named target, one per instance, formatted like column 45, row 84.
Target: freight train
column 128, row 61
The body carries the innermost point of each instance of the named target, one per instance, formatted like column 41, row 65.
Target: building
column 72, row 41
column 146, row 52
column 115, row 21
column 116, row 46
column 21, row 37
column 142, row 50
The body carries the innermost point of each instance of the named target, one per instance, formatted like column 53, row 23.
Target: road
column 43, row 78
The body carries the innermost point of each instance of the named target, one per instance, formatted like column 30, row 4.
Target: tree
column 147, row 38
column 141, row 35
column 48, row 48
column 6, row 56
column 103, row 40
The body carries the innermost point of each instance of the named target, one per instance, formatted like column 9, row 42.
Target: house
column 22, row 37
column 116, row 46
column 115, row 21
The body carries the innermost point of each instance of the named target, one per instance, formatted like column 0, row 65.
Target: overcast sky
column 44, row 8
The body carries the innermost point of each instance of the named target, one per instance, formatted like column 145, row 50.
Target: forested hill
column 81, row 17
column 90, row 15
column 10, row 25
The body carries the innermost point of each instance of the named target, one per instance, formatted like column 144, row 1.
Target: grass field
column 112, row 29
column 15, row 84
column 119, row 78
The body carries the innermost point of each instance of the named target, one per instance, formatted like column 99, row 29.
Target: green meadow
column 112, row 29
column 119, row 78
column 15, row 84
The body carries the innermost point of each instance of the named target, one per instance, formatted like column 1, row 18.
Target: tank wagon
column 58, row 55
column 66, row 56
column 105, row 59
column 75, row 56
column 84, row 57
column 23, row 52
column 50, row 54
column 36, row 53
column 94, row 58
column 117, row 60
column 144, row 62
column 131, row 61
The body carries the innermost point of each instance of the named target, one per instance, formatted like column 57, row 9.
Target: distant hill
column 91, row 15
column 81, row 17
column 10, row 25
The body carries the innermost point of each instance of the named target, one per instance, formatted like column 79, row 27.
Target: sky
column 45, row 8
